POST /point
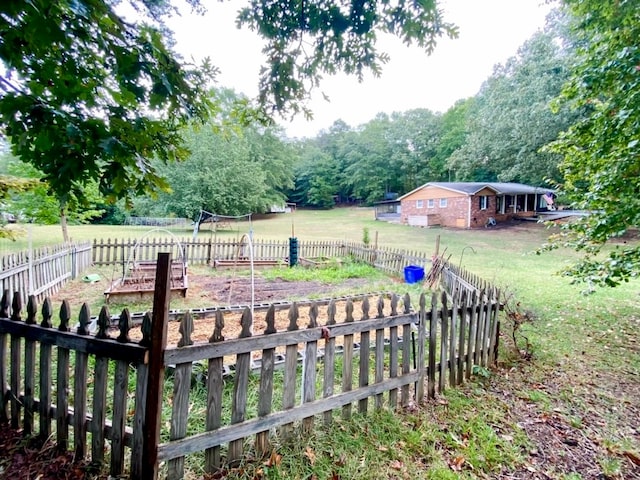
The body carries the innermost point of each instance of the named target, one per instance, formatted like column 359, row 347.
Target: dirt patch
column 227, row 291
column 238, row 291
column 30, row 458
column 207, row 290
column 580, row 422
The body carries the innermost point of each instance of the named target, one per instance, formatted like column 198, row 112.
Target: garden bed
column 139, row 281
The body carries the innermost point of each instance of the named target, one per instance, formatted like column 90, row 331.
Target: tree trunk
column 63, row 224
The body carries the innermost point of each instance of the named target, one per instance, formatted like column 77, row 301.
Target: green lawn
column 570, row 412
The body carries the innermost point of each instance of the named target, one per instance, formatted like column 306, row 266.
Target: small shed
column 388, row 210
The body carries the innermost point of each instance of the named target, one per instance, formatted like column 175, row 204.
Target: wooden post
column 29, row 369
column 241, row 388
column 290, row 371
column 363, row 377
column 422, row 336
column 80, row 389
column 309, row 369
column 406, row 350
column 329, row 359
column 16, row 362
column 379, row 358
column 4, row 390
column 62, row 380
column 215, row 387
column 375, row 248
column 153, row 409
column 347, row 356
column 45, row 374
column 265, row 396
column 494, row 340
column 393, row 353
column 444, row 342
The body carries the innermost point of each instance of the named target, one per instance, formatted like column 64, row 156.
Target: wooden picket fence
column 380, row 367
column 208, row 251
column 372, row 353
column 43, row 271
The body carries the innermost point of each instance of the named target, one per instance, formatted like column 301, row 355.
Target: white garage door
column 418, row 220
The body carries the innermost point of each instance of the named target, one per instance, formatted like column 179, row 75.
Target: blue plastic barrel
column 413, row 273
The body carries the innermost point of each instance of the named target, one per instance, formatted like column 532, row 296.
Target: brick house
column 470, row 204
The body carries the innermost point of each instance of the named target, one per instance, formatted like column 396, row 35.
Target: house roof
column 471, row 188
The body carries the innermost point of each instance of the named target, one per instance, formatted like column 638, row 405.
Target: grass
column 582, row 379
column 383, row 444
column 334, row 272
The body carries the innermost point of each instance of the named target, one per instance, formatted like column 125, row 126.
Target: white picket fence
column 42, row 272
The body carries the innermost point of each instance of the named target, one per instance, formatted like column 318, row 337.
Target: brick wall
column 479, row 217
column 453, row 215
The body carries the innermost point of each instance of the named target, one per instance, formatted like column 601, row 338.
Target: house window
column 443, row 203
column 419, row 203
column 431, row 203
column 484, row 202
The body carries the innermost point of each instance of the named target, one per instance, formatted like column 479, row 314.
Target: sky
column 491, row 31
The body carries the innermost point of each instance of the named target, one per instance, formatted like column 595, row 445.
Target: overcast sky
column 490, row 32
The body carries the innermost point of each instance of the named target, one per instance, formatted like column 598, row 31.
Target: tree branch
column 6, row 85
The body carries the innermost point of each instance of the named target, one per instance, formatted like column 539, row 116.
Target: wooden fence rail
column 56, row 359
column 389, row 354
column 41, row 272
column 284, row 370
column 208, row 251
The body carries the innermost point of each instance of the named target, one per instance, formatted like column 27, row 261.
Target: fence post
column 495, row 333
column 74, row 261
column 153, row 407
column 4, row 387
column 209, row 246
column 422, row 337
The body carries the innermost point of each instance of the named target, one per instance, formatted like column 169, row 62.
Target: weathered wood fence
column 207, row 251
column 376, row 355
column 48, row 389
column 315, row 363
column 42, row 271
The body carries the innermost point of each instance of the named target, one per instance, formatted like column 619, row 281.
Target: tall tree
column 218, row 176
column 413, row 139
column 337, row 142
column 316, row 175
column 89, row 96
column 511, row 118
column 453, row 133
column 230, row 170
column 601, row 151
column 368, row 171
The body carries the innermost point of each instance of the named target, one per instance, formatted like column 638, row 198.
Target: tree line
column 497, row 135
